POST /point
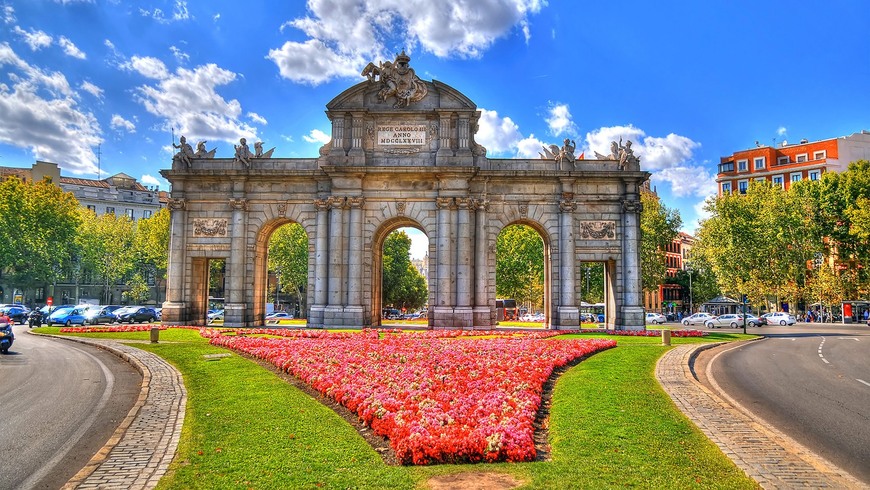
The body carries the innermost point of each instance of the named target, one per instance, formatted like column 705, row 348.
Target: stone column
column 354, row 308
column 335, row 284
column 463, row 315
column 173, row 308
column 356, row 138
column 569, row 313
column 631, row 310
column 234, row 307
column 337, row 135
column 444, row 299
column 482, row 310
column 444, row 134
column 321, row 257
column 463, row 133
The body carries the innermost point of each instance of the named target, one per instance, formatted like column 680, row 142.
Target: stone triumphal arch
column 402, row 153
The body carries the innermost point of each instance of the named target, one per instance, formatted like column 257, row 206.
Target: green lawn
column 611, row 425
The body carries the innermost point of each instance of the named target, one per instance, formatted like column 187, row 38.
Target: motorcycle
column 6, row 337
column 34, row 319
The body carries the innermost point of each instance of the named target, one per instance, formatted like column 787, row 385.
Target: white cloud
column 148, row 67
column 655, row 153
column 530, row 147
column 147, row 179
column 119, row 122
column 179, row 13
column 688, row 180
column 71, row 49
column 253, row 116
column 92, row 89
column 560, row 120
column 48, row 123
column 8, row 14
column 781, row 131
column 216, row 17
column 498, row 135
column 180, row 56
column 34, row 38
column 188, row 100
column 317, row 136
column 346, row 34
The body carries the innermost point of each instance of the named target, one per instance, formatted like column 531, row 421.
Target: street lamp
column 689, row 271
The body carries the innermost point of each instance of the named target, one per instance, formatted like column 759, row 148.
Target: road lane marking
column 848, row 338
column 822, row 356
column 862, row 381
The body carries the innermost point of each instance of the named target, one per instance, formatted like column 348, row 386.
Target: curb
column 766, row 455
column 139, row 451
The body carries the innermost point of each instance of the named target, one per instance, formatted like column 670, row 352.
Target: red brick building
column 790, row 162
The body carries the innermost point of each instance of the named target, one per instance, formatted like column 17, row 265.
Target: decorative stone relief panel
column 598, row 230
column 210, row 227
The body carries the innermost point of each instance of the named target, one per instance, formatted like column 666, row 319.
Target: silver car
column 655, row 318
column 697, row 319
column 732, row 320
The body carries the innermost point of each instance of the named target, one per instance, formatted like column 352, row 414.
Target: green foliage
column 105, row 245
column 403, row 285
column 592, row 283
column 151, row 242
column 764, row 243
column 37, row 224
column 659, row 225
column 288, row 259
column 519, row 266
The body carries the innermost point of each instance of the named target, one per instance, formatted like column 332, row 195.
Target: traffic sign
column 49, row 301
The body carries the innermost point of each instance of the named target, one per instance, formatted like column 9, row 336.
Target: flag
column 582, row 156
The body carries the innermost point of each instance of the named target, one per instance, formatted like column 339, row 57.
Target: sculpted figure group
column 243, row 154
column 397, row 80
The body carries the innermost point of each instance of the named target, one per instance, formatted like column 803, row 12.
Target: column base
column 315, row 316
column 482, row 316
column 234, row 315
column 632, row 318
column 568, row 317
column 173, row 313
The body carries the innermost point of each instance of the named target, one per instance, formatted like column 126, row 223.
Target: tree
column 659, row 225
column 519, row 267
column 105, row 244
column 37, row 223
column 403, row 285
column 288, row 258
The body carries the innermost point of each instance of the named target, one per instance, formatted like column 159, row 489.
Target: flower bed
column 112, row 328
column 438, row 400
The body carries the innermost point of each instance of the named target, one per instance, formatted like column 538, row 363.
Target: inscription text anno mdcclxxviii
column 400, row 135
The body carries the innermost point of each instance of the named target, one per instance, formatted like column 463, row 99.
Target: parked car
column 136, row 314
column 16, row 313
column 215, row 316
column 779, row 318
column 279, row 315
column 101, row 314
column 67, row 316
column 697, row 318
column 733, row 320
column 655, row 318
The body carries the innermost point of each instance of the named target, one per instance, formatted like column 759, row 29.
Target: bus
column 506, row 310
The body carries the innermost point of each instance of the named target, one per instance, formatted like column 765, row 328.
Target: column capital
column 336, row 202
column 355, row 201
column 177, row 204
column 480, row 204
column 444, row 202
column 463, row 202
column 632, row 206
column 321, row 204
column 240, row 204
column 567, row 205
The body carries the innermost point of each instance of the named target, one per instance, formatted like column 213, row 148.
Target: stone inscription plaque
column 209, row 227
column 402, row 135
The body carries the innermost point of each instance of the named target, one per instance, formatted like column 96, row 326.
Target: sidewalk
column 769, row 457
column 139, row 452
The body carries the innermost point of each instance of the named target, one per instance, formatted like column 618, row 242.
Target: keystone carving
column 240, row 204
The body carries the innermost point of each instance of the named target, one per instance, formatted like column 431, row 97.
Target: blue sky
column 686, row 81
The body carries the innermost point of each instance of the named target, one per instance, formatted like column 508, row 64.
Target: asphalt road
column 810, row 382
column 59, row 403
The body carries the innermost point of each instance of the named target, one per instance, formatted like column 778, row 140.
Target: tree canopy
column 519, row 268
column 403, row 285
column 659, row 226
column 105, row 245
column 288, row 259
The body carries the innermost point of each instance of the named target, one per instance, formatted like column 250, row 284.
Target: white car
column 655, row 318
column 697, row 318
column 779, row 318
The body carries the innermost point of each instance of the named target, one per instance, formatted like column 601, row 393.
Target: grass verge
column 611, row 425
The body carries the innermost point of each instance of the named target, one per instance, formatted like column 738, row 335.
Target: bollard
column 155, row 334
column 666, row 337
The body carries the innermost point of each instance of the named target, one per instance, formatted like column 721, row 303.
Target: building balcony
column 726, row 167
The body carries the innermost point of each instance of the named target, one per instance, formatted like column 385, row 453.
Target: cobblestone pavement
column 139, row 452
column 769, row 457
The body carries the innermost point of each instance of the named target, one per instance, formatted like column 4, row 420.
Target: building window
column 782, row 160
column 777, row 180
column 801, row 158
column 819, row 155
column 110, row 210
column 742, row 165
column 146, row 213
column 796, row 177
column 742, row 186
column 759, row 179
column 129, row 213
column 759, row 163
column 814, row 174
column 92, row 208
column 726, row 187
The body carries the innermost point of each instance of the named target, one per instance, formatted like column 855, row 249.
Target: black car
column 137, row 315
column 101, row 314
column 18, row 314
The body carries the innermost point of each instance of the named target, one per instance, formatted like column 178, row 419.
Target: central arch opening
column 400, row 275
column 522, row 279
